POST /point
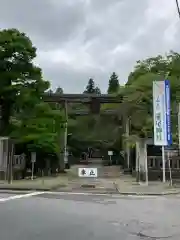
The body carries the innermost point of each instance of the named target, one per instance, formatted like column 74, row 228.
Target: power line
column 178, row 8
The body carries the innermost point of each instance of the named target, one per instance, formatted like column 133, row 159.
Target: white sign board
column 110, row 153
column 161, row 112
column 33, row 157
column 87, row 172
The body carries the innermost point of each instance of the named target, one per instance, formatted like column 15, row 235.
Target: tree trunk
column 48, row 167
column 61, row 163
column 5, row 117
column 6, row 106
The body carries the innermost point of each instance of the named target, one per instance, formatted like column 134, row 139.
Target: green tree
column 137, row 103
column 113, row 83
column 97, row 90
column 59, row 90
column 25, row 117
column 137, row 97
column 17, row 72
column 37, row 124
column 90, row 88
column 38, row 128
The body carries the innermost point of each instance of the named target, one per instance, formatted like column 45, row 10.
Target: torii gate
column 93, row 101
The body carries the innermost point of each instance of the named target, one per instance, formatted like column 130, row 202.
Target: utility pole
column 163, row 164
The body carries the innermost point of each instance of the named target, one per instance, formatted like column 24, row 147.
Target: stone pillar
column 141, row 160
column 65, row 156
column 127, row 165
column 127, row 145
column 137, row 162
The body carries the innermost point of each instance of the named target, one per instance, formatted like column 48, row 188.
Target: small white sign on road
column 88, row 172
column 110, row 153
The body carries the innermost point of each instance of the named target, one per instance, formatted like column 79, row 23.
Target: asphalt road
column 68, row 217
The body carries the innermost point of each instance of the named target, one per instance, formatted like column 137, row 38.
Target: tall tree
column 25, row 116
column 90, row 88
column 97, row 90
column 137, row 98
column 59, row 90
column 138, row 91
column 18, row 73
column 113, row 83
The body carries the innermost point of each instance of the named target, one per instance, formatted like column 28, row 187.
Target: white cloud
column 79, row 39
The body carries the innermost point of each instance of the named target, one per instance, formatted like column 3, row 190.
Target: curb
column 59, row 190
column 17, row 192
column 145, row 193
column 88, row 189
column 63, row 188
column 6, row 190
column 113, row 192
column 29, row 189
column 88, row 192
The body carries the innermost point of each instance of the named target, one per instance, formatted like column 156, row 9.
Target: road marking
column 117, row 196
column 80, row 193
column 20, row 196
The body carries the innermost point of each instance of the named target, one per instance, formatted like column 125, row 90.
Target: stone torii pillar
column 65, row 133
column 141, row 160
column 63, row 158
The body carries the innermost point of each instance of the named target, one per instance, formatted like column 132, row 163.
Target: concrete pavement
column 152, row 188
column 123, row 185
column 111, row 181
column 64, row 216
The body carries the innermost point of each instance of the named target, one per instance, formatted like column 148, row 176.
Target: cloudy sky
column 79, row 39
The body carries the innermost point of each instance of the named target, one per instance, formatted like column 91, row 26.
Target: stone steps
column 110, row 171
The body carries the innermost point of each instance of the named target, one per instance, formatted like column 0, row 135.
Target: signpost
column 33, row 160
column 110, row 153
column 162, row 117
column 88, row 172
column 169, row 165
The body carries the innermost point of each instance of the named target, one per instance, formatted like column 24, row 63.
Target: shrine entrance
column 93, row 106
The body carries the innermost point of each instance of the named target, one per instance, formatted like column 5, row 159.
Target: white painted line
column 81, row 193
column 20, row 196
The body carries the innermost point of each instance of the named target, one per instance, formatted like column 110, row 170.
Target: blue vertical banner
column 162, row 113
column 168, row 112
